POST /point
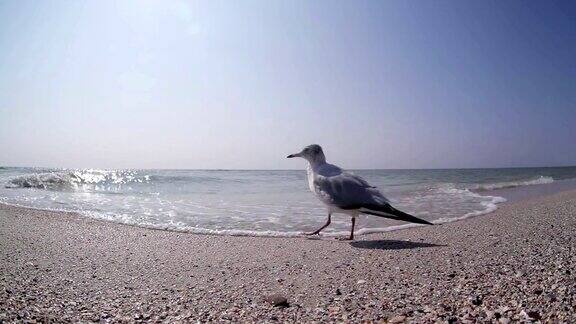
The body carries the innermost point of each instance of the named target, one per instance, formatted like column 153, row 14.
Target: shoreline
column 500, row 197
column 526, row 192
column 138, row 201
column 144, row 199
column 515, row 263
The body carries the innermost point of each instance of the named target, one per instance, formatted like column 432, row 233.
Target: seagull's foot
column 345, row 238
column 313, row 233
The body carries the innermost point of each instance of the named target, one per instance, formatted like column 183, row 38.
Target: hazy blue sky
column 241, row 84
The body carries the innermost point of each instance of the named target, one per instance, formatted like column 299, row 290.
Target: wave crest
column 75, row 179
column 512, row 184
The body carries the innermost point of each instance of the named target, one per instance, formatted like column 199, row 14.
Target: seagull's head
column 312, row 153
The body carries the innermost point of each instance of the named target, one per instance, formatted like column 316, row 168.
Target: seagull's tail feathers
column 388, row 211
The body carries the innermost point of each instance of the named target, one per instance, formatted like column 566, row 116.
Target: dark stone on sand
column 338, row 292
column 277, row 300
column 534, row 315
column 476, row 300
column 538, row 291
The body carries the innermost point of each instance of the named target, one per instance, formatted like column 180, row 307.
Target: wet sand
column 515, row 264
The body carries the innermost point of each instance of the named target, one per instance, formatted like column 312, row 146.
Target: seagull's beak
column 294, row 155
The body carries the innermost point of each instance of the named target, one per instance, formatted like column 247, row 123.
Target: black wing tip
column 417, row 220
column 388, row 211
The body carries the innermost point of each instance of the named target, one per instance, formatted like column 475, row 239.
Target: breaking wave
column 77, row 179
column 502, row 185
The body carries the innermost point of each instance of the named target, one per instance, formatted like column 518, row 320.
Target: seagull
column 346, row 193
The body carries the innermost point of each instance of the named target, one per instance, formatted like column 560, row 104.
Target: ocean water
column 259, row 203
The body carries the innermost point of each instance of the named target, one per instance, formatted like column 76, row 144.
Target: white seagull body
column 346, row 193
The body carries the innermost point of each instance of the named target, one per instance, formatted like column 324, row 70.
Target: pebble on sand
column 277, row 300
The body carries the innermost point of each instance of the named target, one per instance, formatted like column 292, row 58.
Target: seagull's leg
column 351, row 232
column 323, row 227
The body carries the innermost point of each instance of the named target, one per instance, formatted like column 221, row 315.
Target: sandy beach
column 514, row 264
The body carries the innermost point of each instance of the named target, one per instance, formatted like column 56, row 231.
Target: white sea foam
column 183, row 228
column 511, row 184
column 490, row 206
column 488, row 202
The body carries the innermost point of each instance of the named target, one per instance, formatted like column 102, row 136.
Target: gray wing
column 348, row 191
